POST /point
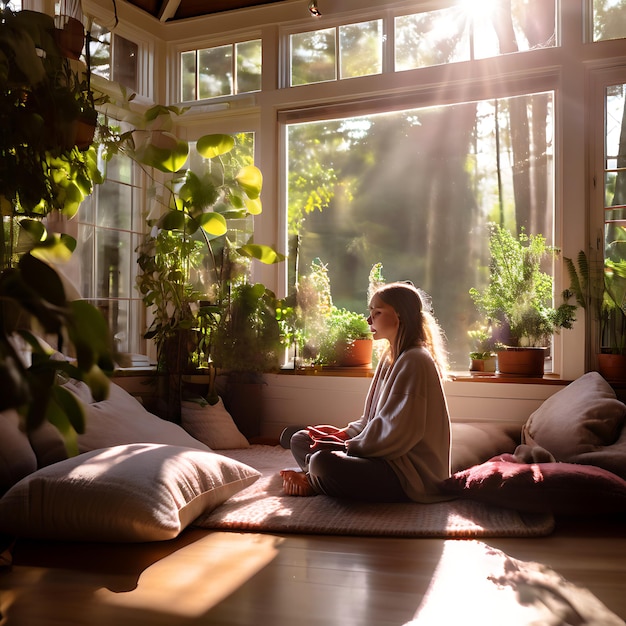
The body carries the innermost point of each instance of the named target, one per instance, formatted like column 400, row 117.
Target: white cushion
column 212, row 424
column 17, row 458
column 120, row 419
column 139, row 492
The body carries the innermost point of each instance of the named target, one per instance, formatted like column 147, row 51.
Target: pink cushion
column 558, row 488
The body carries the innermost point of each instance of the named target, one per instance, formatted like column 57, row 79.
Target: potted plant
column 326, row 335
column 483, row 355
column 41, row 173
column 518, row 300
column 200, row 244
column 347, row 341
column 600, row 287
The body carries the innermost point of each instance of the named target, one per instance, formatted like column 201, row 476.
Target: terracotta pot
column 528, row 362
column 85, row 131
column 70, row 36
column 357, row 353
column 483, row 365
column 612, row 367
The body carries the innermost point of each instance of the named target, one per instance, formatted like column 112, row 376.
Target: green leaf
column 35, row 229
column 70, row 405
column 213, row 223
column 173, row 220
column 89, row 333
column 254, row 206
column 40, row 277
column 251, row 180
column 58, row 418
column 261, row 252
column 211, row 146
column 98, row 383
column 55, row 249
column 165, row 153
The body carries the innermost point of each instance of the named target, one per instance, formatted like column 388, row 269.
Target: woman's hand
column 327, row 435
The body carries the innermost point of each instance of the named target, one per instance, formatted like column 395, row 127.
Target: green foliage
column 342, row 326
column 43, row 169
column 600, row 287
column 314, row 325
column 32, row 291
column 195, row 262
column 519, row 293
column 41, row 102
column 248, row 337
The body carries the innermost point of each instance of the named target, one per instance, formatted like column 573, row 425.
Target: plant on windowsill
column 518, row 300
column 600, row 287
column 483, row 355
column 327, row 335
column 196, row 258
column 42, row 171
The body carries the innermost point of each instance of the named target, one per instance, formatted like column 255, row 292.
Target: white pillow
column 139, row 492
column 119, row 420
column 212, row 424
column 17, row 458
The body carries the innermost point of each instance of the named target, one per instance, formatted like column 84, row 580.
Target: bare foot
column 296, row 484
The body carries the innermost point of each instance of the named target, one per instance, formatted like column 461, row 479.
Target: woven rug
column 263, row 507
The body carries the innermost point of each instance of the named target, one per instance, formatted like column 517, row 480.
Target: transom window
column 345, row 52
column 221, row 71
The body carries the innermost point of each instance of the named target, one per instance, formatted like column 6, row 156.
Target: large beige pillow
column 139, row 492
column 582, row 423
column 212, row 424
column 17, row 458
column 118, row 420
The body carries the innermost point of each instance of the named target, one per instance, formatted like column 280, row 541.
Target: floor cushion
column 582, row 423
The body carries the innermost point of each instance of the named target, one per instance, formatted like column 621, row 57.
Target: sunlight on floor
column 228, row 561
column 476, row 585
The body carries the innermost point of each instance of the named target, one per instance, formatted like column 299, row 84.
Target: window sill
column 460, row 376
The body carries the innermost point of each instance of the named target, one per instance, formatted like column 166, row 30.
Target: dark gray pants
column 333, row 473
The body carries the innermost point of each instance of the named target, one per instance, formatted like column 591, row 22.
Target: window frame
column 569, row 70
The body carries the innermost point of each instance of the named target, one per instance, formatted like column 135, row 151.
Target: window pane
column 360, row 47
column 473, row 30
column 249, row 63
column 215, row 72
column 188, row 70
column 615, row 174
column 609, row 19
column 313, row 57
column 414, row 190
column 431, row 38
column 125, row 56
column 100, row 50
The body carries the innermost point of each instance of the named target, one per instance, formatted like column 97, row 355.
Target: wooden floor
column 249, row 579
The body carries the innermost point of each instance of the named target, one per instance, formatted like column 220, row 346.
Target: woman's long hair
column 417, row 325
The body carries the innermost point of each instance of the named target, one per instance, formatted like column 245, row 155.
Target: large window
column 414, row 190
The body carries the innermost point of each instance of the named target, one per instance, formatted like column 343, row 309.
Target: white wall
column 290, row 399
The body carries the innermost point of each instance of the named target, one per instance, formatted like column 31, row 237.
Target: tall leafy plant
column 518, row 296
column 200, row 245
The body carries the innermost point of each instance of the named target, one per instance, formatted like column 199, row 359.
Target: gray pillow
column 582, row 423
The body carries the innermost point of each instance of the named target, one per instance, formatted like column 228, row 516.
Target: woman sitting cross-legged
column 399, row 449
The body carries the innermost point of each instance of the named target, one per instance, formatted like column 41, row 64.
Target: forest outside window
column 415, row 190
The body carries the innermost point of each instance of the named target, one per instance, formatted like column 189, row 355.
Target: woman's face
column 383, row 320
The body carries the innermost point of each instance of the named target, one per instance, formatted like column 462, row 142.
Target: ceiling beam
column 168, row 10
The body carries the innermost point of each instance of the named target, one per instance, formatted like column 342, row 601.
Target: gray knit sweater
column 406, row 422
